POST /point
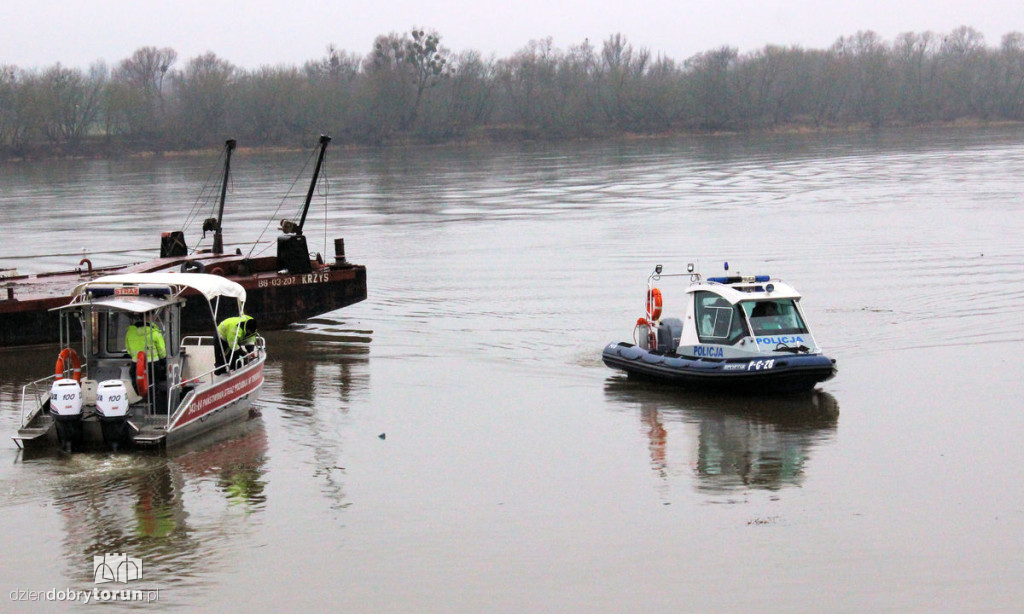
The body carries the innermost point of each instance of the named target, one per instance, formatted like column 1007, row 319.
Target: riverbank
column 107, row 148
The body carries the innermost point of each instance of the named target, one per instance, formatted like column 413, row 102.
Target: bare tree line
column 409, row 88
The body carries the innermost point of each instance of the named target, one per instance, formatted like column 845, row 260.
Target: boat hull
column 228, row 400
column 773, row 373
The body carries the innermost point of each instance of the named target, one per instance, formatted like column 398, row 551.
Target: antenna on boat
column 218, row 238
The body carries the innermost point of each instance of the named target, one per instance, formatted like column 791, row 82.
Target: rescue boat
column 734, row 333
column 181, row 385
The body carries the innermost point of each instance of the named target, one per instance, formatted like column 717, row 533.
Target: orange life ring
column 76, row 364
column 653, row 304
column 141, row 382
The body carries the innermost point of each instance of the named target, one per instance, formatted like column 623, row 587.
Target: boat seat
column 133, row 397
column 197, row 360
column 121, row 370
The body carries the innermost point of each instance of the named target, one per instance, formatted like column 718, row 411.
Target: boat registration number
column 761, row 365
column 309, row 278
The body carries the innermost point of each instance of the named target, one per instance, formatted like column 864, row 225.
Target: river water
column 454, row 443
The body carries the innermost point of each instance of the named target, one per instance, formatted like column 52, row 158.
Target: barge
column 282, row 289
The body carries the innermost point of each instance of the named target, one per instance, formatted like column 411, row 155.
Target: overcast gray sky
column 252, row 33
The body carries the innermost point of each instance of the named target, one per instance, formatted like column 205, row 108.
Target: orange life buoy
column 76, row 364
column 141, row 382
column 653, row 304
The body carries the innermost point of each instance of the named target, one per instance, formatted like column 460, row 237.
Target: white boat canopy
column 210, row 286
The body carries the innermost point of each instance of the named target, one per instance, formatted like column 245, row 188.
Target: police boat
column 174, row 387
column 735, row 333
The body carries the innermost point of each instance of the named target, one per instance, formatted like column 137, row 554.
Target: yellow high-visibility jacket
column 232, row 328
column 146, row 338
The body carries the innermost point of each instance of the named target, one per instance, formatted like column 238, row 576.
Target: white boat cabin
column 734, row 317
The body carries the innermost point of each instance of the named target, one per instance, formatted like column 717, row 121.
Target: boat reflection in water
column 136, row 504
column 732, row 443
column 321, row 372
column 320, row 356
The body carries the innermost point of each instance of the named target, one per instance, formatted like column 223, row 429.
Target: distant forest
column 411, row 89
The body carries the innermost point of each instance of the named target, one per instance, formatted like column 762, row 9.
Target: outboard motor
column 670, row 330
column 112, row 407
column 66, row 409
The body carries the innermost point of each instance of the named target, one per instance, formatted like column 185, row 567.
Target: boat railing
column 207, row 368
column 39, row 393
column 176, row 385
column 203, row 363
column 242, row 359
column 174, row 391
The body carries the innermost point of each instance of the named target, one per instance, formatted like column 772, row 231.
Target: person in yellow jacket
column 145, row 337
column 142, row 337
column 238, row 334
column 238, row 331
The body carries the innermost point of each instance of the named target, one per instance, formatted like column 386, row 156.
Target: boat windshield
column 774, row 317
column 718, row 321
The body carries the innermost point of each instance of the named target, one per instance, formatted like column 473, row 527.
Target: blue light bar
column 148, row 290
column 735, row 279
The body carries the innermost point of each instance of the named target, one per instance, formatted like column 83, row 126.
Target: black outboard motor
column 670, row 330
column 112, row 408
column 66, row 409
